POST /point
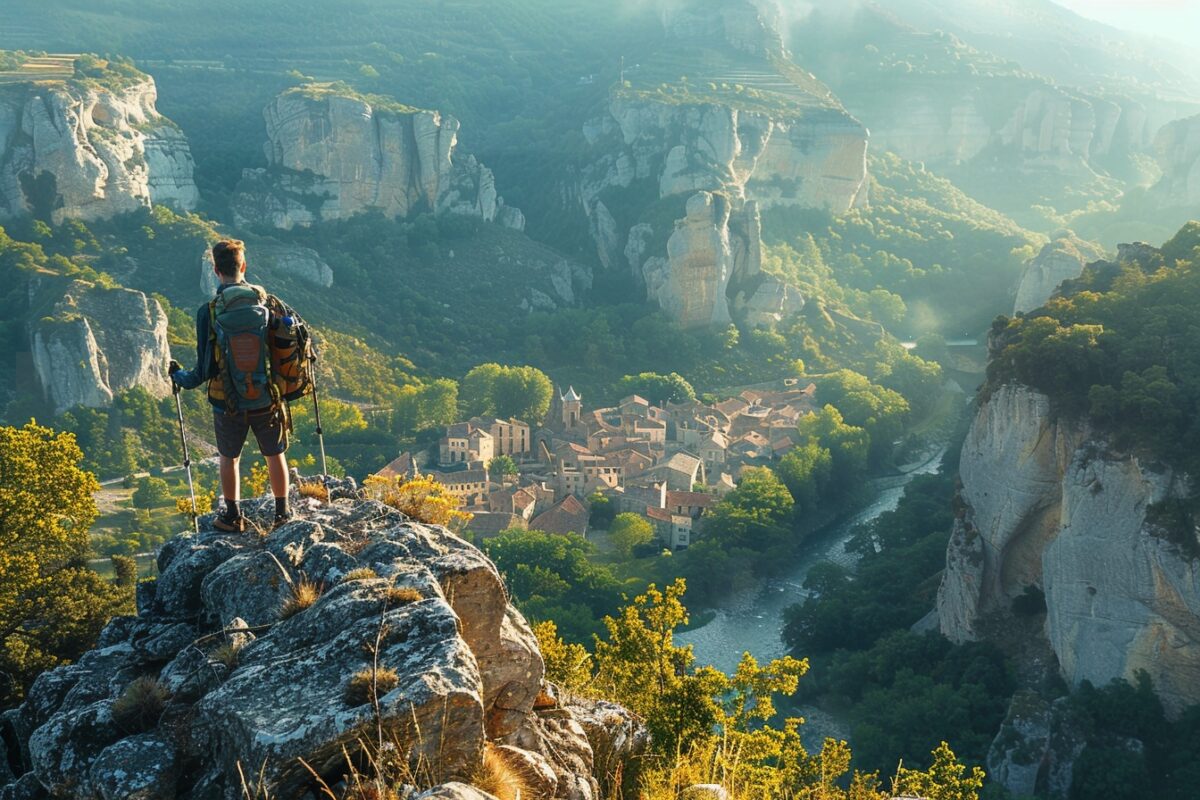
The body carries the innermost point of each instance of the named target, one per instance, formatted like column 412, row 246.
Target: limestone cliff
column 333, row 153
column 96, row 342
column 246, row 686
column 1177, row 150
column 85, row 150
column 1045, row 502
column 667, row 161
column 1062, row 259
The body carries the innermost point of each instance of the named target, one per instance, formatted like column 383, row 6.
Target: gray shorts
column 232, row 429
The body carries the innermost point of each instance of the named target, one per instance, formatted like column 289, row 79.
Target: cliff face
column 667, row 157
column 97, row 342
column 1060, row 260
column 1177, row 150
column 333, row 155
column 1047, row 504
column 75, row 150
column 1042, row 126
column 246, row 684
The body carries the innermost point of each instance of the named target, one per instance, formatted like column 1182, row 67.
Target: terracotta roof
column 696, row 499
column 569, row 515
column 634, row 398
column 660, row 514
column 401, row 466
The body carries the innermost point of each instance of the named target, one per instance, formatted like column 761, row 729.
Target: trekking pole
column 187, row 459
column 317, row 414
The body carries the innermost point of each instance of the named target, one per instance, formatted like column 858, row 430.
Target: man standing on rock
column 233, row 354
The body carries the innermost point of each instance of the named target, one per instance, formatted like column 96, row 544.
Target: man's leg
column 271, row 433
column 278, row 472
column 231, row 432
column 231, row 484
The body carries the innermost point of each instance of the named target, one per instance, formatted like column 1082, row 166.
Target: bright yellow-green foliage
column 946, row 779
column 51, row 606
column 422, row 499
column 256, row 483
column 709, row 727
column 629, row 531
column 568, row 665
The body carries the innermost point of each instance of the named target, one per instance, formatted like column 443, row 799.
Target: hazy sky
column 1177, row 19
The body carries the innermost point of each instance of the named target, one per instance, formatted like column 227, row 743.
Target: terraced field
column 697, row 74
column 57, row 66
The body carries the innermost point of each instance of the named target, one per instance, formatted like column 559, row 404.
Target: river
column 752, row 620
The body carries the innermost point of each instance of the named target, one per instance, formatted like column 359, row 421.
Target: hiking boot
column 230, row 524
column 282, row 519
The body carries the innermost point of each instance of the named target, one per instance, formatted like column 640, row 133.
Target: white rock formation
column 332, row 154
column 1177, row 150
column 1060, row 260
column 1048, row 504
column 650, row 154
column 1044, row 126
column 98, row 342
column 76, row 150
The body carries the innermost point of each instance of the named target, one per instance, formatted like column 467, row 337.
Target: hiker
column 235, row 340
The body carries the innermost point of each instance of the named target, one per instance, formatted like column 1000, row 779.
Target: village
column 668, row 464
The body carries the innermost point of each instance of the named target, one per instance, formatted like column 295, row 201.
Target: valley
column 744, row 338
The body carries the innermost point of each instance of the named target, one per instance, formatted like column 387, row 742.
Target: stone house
column 673, row 530
column 681, row 471
column 568, row 515
column 470, row 484
column 510, row 437
column 691, row 504
column 465, row 442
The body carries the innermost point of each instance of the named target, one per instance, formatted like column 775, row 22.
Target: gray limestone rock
column 458, row 670
column 334, row 154
column 82, row 151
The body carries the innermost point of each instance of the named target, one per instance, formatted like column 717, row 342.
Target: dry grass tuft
column 360, row 574
column 501, row 778
column 368, row 685
column 314, row 489
column 305, row 594
column 403, row 595
column 227, row 654
column 140, row 705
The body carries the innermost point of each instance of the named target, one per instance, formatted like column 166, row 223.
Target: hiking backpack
column 292, row 351
column 240, row 323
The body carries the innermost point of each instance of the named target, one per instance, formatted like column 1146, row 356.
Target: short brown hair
column 228, row 256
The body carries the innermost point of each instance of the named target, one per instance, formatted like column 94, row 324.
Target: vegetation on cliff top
column 1119, row 348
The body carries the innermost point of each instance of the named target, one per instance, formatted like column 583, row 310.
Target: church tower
column 572, row 408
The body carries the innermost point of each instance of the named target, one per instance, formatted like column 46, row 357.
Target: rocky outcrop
column 666, row 163
column 1035, row 751
column 81, row 150
column 1047, row 503
column 242, row 679
column 332, row 154
column 96, row 342
column 751, row 27
column 1177, row 150
column 1039, row 125
column 1060, row 260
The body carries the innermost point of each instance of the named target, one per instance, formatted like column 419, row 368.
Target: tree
column 805, row 471
column 568, row 665
column 492, row 390
column 848, row 445
column 629, row 531
column 658, row 389
column 502, row 467
column 601, row 511
column 151, row 493
column 947, row 779
column 52, row 606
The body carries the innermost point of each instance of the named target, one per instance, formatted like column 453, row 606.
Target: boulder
column 141, row 767
column 422, row 656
